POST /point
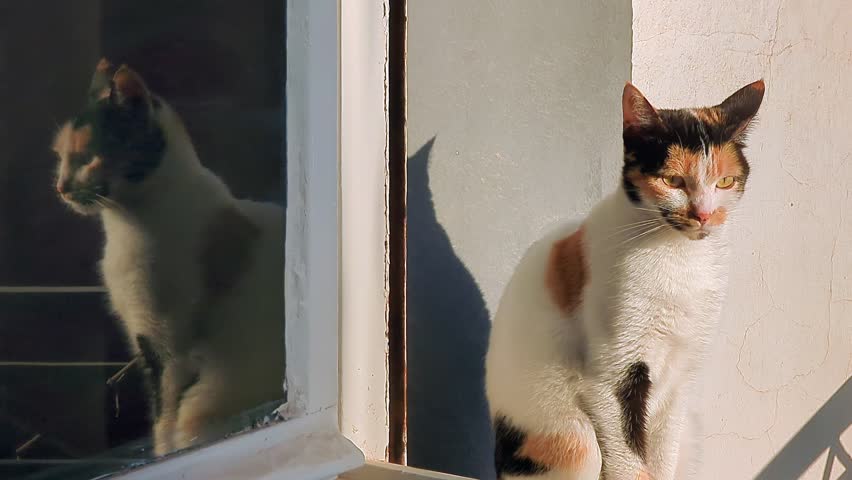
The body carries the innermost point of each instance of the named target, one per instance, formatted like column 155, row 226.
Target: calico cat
column 194, row 274
column 600, row 331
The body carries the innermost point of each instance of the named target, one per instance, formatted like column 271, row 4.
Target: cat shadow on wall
column 448, row 326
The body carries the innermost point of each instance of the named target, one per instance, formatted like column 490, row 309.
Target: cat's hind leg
column 176, row 378
column 209, row 406
column 567, row 453
column 203, row 407
column 161, row 376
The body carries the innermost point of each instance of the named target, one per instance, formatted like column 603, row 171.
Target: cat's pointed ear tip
column 125, row 72
column 759, row 85
column 631, row 91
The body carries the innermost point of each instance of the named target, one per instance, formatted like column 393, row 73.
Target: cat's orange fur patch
column 226, row 252
column 566, row 271
column 80, row 139
column 643, row 475
column 682, row 161
column 556, row 451
column 651, row 188
column 726, row 161
column 68, row 140
column 718, row 217
column 709, row 116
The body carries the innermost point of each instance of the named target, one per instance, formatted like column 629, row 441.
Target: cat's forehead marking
column 726, row 161
column 73, row 140
column 60, row 141
column 715, row 162
column 683, row 161
column 80, row 139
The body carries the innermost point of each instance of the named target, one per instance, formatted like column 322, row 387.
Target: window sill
column 388, row 471
column 307, row 448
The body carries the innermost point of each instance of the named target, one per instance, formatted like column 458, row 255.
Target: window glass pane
column 141, row 229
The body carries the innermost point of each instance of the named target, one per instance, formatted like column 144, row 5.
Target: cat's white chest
column 149, row 282
column 673, row 291
column 656, row 304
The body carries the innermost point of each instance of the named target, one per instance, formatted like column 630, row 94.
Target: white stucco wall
column 785, row 345
column 516, row 107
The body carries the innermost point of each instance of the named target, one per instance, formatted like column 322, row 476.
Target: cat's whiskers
column 652, row 210
column 107, row 202
column 633, row 227
column 640, row 235
column 631, row 231
column 638, row 222
column 635, row 224
column 652, row 233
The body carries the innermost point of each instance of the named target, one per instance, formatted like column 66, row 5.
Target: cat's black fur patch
column 141, row 167
column 629, row 188
column 153, row 367
column 124, row 135
column 508, row 441
column 632, row 394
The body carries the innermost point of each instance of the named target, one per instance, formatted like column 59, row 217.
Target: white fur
column 152, row 270
column 653, row 297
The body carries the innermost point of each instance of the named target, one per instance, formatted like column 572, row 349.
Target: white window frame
column 309, row 444
column 364, row 386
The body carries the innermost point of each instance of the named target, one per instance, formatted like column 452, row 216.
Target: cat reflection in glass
column 194, row 274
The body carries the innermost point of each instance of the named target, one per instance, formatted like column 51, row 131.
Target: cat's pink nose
column 703, row 217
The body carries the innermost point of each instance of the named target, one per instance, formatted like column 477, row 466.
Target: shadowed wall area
column 448, row 324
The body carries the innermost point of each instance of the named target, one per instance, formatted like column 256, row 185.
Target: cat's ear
column 638, row 111
column 128, row 88
column 740, row 109
column 101, row 80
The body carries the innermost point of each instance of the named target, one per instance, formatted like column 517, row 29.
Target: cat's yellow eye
column 673, row 181
column 725, row 183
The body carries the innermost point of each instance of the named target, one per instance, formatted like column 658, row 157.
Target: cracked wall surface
column 785, row 341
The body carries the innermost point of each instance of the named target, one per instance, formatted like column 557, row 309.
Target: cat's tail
column 567, row 453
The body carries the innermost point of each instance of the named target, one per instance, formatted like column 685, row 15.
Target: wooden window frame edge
column 373, row 191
